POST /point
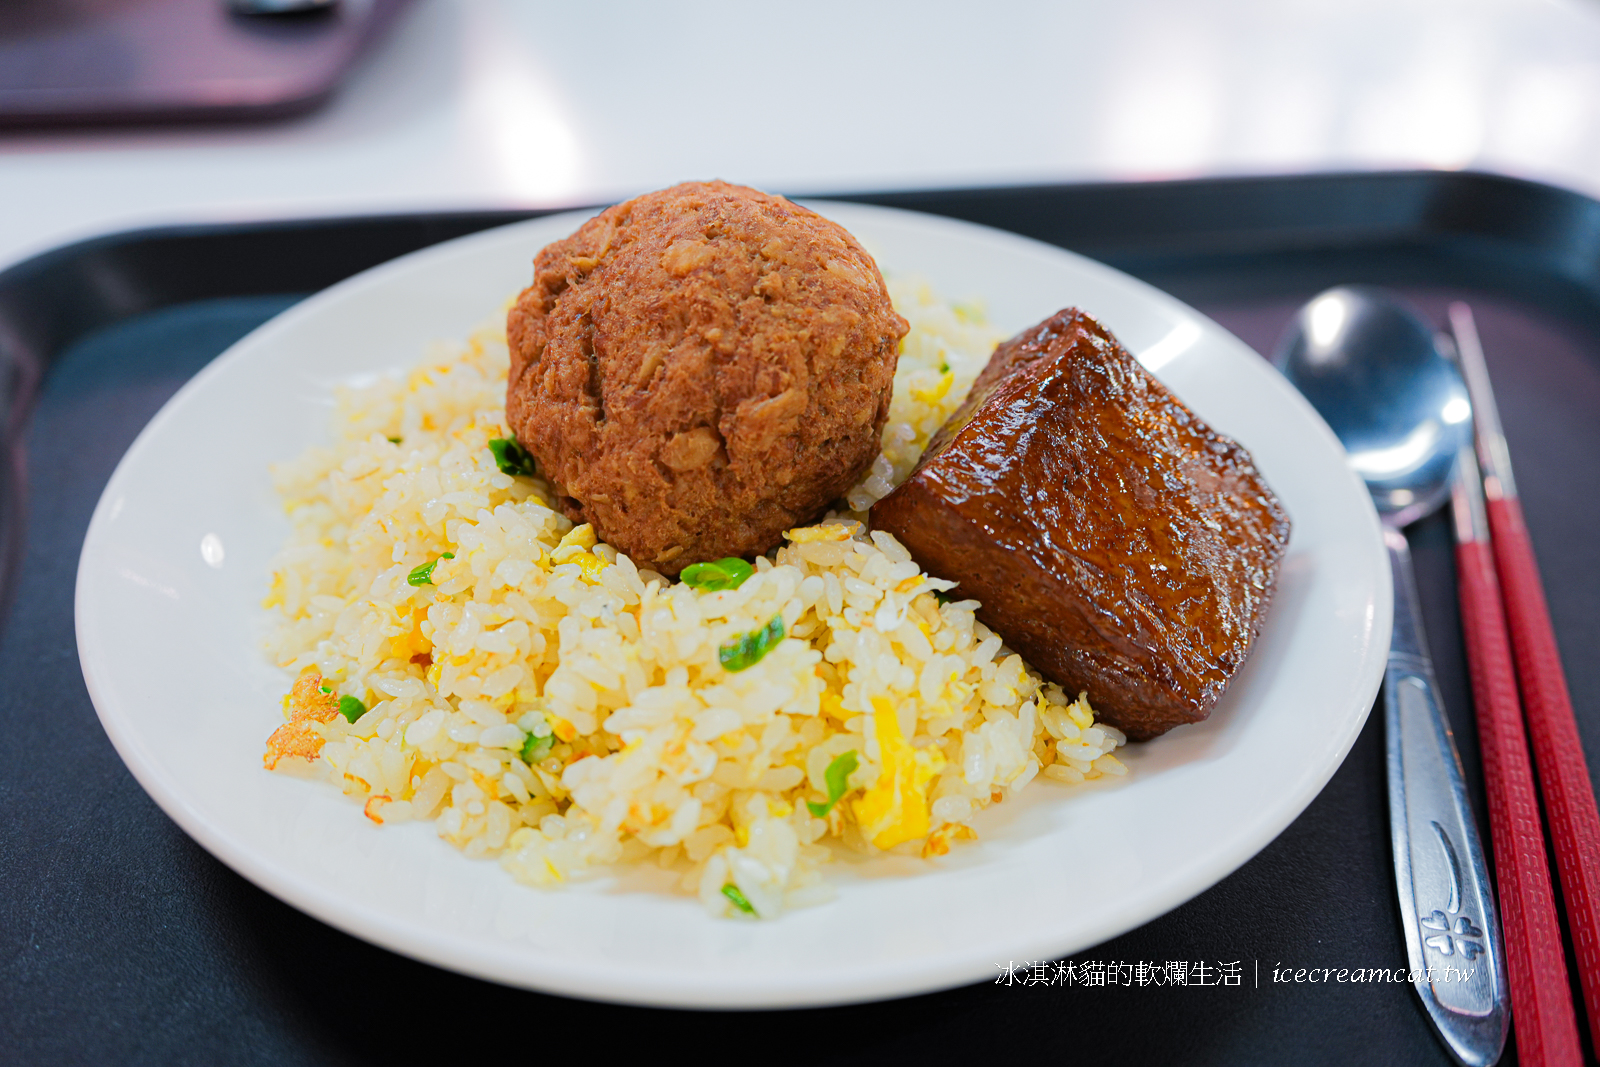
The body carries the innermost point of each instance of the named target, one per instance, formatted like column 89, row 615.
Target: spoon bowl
column 1375, row 372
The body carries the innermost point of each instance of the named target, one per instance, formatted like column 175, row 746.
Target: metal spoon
column 1375, row 372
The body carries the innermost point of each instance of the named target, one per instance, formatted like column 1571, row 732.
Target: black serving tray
column 122, row 941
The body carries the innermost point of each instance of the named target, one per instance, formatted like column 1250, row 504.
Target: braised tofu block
column 1114, row 539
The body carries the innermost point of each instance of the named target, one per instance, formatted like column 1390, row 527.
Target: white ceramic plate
column 169, row 631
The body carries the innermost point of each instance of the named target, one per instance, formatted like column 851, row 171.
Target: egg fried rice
column 464, row 654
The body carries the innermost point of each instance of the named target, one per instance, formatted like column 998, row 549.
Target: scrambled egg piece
column 932, row 394
column 833, row 704
column 576, row 542
column 832, row 531
column 575, row 548
column 410, row 643
column 590, row 565
column 896, row 808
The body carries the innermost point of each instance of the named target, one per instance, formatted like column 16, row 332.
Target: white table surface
column 507, row 103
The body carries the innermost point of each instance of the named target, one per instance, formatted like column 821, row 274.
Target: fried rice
column 464, row 654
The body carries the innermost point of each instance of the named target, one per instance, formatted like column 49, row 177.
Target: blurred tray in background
column 103, row 61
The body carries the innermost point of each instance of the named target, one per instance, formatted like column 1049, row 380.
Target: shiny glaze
column 1115, row 540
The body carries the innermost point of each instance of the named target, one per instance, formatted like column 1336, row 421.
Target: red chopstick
column 1536, row 966
column 1569, row 803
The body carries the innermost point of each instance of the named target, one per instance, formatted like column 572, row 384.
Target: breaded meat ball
column 701, row 368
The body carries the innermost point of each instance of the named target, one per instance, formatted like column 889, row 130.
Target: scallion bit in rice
column 544, row 700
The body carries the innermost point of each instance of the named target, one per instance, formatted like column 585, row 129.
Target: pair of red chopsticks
column 1499, row 583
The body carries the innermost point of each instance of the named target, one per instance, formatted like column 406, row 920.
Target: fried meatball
column 701, row 368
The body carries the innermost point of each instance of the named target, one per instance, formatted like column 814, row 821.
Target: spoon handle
column 1452, row 932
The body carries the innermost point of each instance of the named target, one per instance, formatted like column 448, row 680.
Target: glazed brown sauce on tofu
column 1117, row 541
